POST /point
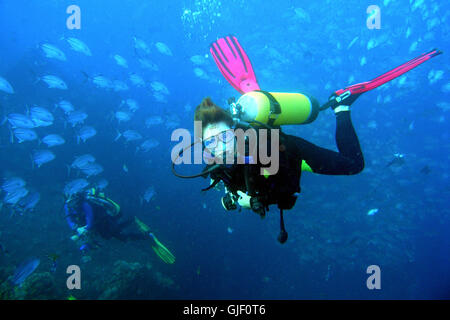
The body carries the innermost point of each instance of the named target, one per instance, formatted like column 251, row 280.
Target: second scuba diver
column 257, row 109
column 92, row 216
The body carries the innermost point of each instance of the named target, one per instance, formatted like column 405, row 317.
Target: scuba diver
column 92, row 215
column 248, row 183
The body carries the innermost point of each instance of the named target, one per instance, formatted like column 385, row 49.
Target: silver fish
column 147, row 64
column 121, row 61
column 85, row 133
column 23, row 134
column 52, row 140
column 163, row 48
column 132, row 104
column 149, row 194
column 13, row 197
column 50, row 51
column 18, row 120
column 122, row 116
column 92, row 169
column 137, row 80
column 78, row 45
column 12, row 184
column 159, row 87
column 140, row 45
column 102, row 82
column 148, row 144
column 76, row 117
column 5, row 86
column 28, row 202
column 75, row 186
column 41, row 117
column 41, row 157
column 129, row 135
column 66, row 106
column 82, row 161
column 54, row 82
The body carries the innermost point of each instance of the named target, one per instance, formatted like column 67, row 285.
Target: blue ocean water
column 294, row 46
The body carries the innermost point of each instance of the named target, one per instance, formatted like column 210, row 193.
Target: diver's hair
column 208, row 112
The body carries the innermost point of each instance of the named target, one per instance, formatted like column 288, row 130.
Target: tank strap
column 275, row 108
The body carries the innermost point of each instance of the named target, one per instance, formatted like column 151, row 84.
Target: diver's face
column 218, row 139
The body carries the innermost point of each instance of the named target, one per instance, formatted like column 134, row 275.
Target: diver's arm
column 87, row 209
column 69, row 219
column 349, row 160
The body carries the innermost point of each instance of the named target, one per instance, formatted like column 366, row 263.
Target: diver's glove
column 253, row 203
column 82, row 230
column 244, row 200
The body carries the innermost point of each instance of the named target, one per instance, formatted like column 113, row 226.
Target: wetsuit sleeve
column 349, row 160
column 87, row 209
column 69, row 219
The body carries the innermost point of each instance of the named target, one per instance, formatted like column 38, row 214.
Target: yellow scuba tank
column 276, row 108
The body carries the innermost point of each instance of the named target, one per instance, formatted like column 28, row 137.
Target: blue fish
column 76, row 117
column 148, row 144
column 137, row 80
column 14, row 196
column 82, row 161
column 78, row 45
column 54, row 82
column 121, row 61
column 122, row 116
column 66, row 106
column 85, row 133
column 52, row 140
column 41, row 117
column 24, row 270
column 42, row 156
column 25, row 134
column 92, row 169
column 5, row 86
column 141, row 46
column 102, row 82
column 28, row 202
column 129, row 135
column 149, row 194
column 18, row 120
column 75, row 186
column 50, row 51
column 12, row 184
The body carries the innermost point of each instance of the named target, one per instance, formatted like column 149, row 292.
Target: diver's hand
column 82, row 230
column 244, row 200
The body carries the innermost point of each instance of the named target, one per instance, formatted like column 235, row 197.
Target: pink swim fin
column 234, row 64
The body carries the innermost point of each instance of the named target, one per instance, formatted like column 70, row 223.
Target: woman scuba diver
column 266, row 111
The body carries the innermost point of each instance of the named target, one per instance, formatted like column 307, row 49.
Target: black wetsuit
column 95, row 217
column 281, row 188
column 115, row 226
